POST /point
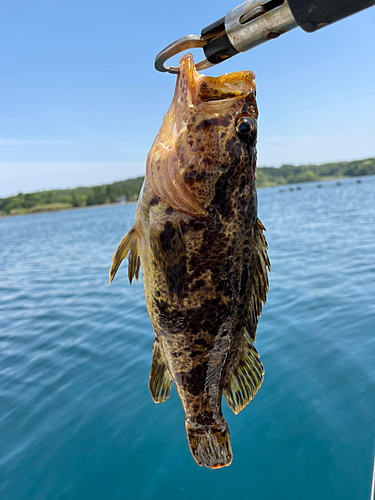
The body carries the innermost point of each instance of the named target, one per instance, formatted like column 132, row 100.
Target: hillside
column 290, row 174
column 128, row 190
column 61, row 199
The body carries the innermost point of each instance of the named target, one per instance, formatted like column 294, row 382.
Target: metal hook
column 184, row 43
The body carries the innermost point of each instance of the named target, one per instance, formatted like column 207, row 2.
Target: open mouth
column 207, row 89
column 208, row 93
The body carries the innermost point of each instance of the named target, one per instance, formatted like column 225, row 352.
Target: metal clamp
column 244, row 27
column 184, row 43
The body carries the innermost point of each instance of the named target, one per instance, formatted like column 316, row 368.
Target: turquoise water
column 76, row 418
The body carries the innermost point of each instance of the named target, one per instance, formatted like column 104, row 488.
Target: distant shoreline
column 128, row 190
column 68, row 209
column 132, row 202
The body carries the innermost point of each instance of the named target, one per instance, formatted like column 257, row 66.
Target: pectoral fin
column 246, row 378
column 128, row 244
column 160, row 378
column 169, row 252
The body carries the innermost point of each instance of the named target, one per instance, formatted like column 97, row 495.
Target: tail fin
column 210, row 444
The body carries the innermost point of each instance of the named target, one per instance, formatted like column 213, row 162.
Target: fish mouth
column 199, row 88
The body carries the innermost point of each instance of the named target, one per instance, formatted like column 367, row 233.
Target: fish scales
column 203, row 254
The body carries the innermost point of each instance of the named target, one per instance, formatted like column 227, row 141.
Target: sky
column 81, row 102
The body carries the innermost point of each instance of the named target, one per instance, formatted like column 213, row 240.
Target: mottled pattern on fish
column 203, row 254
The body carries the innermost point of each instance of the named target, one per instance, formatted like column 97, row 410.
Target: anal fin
column 246, row 378
column 128, row 245
column 160, row 378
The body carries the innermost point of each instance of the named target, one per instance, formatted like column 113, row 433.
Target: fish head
column 210, row 130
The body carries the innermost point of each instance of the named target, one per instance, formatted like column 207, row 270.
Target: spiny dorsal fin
column 262, row 247
column 169, row 251
column 128, row 244
column 247, row 375
column 160, row 378
column 259, row 279
column 245, row 379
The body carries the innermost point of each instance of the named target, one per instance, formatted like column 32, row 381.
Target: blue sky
column 81, row 103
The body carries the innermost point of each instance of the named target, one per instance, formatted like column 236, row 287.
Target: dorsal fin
column 160, row 378
column 128, row 244
column 259, row 279
column 169, row 251
column 247, row 374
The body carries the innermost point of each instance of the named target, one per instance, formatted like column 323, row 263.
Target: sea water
column 76, row 417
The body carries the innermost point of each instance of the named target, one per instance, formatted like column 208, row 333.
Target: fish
column 203, row 254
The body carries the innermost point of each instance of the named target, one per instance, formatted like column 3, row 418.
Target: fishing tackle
column 255, row 22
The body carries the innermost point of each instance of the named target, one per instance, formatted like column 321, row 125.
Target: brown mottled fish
column 203, row 254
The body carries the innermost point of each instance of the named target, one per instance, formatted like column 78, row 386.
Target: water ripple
column 77, row 420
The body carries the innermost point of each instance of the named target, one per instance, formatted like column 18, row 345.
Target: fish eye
column 245, row 125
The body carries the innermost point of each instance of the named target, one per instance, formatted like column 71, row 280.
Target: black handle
column 219, row 48
column 312, row 15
